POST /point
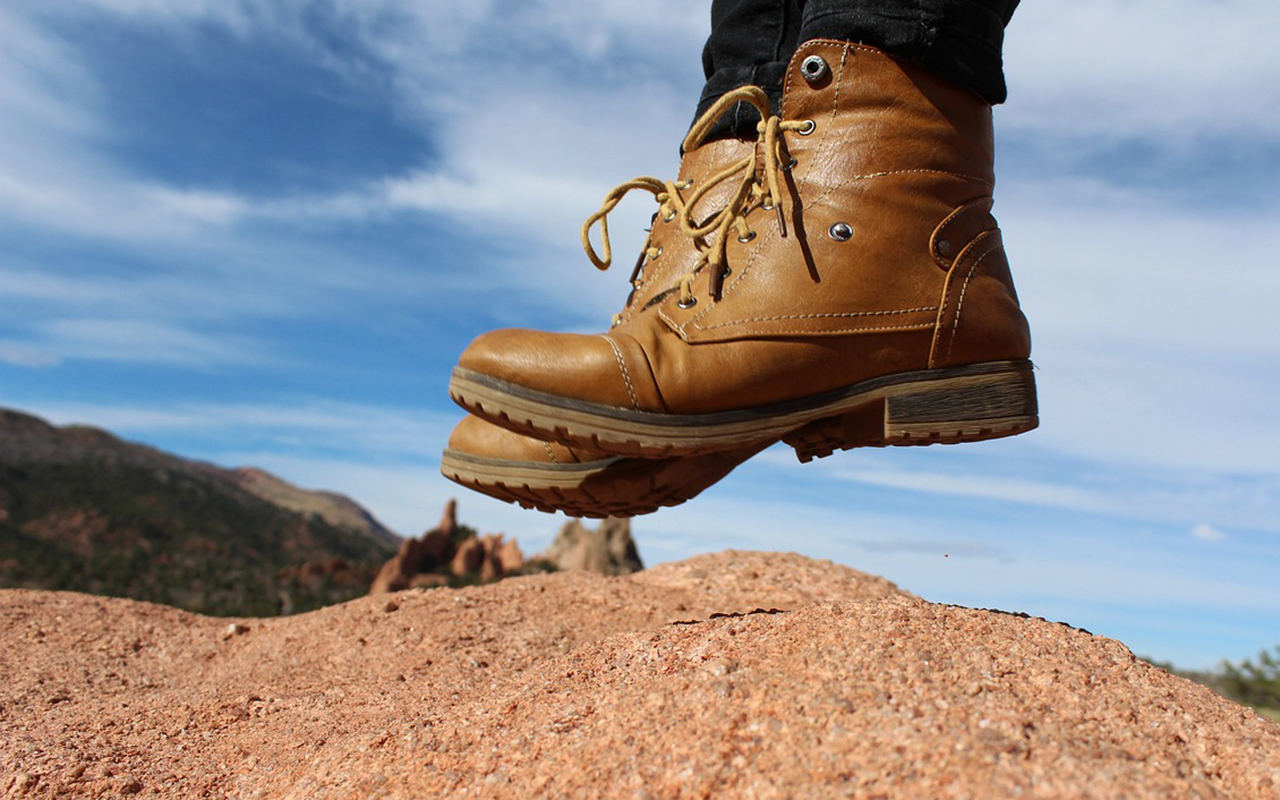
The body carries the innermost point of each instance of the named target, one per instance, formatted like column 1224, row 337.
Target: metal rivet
column 813, row 69
column 809, row 127
column 841, row 231
column 944, row 247
column 693, row 301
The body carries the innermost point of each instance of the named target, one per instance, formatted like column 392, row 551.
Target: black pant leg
column 750, row 44
column 960, row 40
column 752, row 40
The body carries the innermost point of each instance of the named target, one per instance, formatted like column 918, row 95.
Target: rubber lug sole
column 612, row 487
column 937, row 406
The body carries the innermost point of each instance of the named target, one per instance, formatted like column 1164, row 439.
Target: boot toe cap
column 602, row 369
column 476, row 437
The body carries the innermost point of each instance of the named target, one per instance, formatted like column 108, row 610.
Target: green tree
column 1254, row 684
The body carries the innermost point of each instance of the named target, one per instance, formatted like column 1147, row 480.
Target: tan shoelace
column 763, row 190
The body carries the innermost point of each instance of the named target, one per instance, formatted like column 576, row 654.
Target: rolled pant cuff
column 741, row 123
column 959, row 40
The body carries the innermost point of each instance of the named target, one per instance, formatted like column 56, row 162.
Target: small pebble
column 23, row 783
column 721, row 666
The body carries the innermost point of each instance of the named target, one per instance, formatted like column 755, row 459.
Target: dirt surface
column 665, row 684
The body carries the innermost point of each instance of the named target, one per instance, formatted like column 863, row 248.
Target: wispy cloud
column 375, row 432
column 113, row 339
column 1207, row 533
column 1151, row 69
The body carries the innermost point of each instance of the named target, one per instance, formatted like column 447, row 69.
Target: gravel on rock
column 733, row 675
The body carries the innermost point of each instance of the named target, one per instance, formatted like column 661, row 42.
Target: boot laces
column 759, row 183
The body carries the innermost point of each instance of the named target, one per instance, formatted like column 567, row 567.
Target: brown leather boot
column 580, row 482
column 852, row 290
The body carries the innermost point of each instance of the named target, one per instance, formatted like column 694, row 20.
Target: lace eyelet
column 656, row 255
column 669, row 216
column 809, row 127
column 685, row 184
column 813, row 69
column 750, row 235
column 693, row 301
column 767, row 206
column 787, row 167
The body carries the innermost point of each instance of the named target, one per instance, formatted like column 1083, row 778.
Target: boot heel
column 941, row 410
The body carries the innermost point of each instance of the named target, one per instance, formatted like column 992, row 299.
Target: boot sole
column 611, row 487
column 936, row 406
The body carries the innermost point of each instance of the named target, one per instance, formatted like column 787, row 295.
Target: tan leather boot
column 854, row 285
column 580, row 482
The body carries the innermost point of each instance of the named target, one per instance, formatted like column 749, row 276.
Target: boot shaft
column 887, row 195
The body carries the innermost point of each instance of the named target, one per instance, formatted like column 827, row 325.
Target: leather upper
column 900, row 157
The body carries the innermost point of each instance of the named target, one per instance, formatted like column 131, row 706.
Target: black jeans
column 752, row 40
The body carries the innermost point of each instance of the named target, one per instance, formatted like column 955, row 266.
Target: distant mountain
column 83, row 510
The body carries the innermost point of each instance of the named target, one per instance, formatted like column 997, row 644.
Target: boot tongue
column 708, row 159
column 678, row 251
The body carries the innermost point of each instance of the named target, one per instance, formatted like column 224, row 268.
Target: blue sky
column 260, row 231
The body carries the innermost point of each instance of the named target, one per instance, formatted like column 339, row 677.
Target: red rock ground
column 580, row 686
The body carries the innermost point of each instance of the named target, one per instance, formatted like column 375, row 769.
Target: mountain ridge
column 83, row 509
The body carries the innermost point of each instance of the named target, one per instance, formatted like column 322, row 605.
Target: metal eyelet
column 814, row 69
column 787, row 166
column 767, row 206
column 841, row 231
column 687, row 183
column 669, row 216
column 809, row 127
column 693, row 301
column 750, row 235
column 656, row 255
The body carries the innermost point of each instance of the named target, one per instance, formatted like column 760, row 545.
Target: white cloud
column 1207, row 533
column 139, row 341
column 24, row 355
column 377, row 432
column 1157, row 69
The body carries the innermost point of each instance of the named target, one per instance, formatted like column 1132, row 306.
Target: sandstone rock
column 665, row 685
column 449, row 519
column 433, row 550
column 509, row 556
column 428, row 580
column 437, row 546
column 469, row 557
column 501, row 557
column 609, row 549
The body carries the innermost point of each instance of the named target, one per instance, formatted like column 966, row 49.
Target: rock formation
column 733, row 675
column 609, row 549
column 430, row 559
column 468, row 558
column 417, row 556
